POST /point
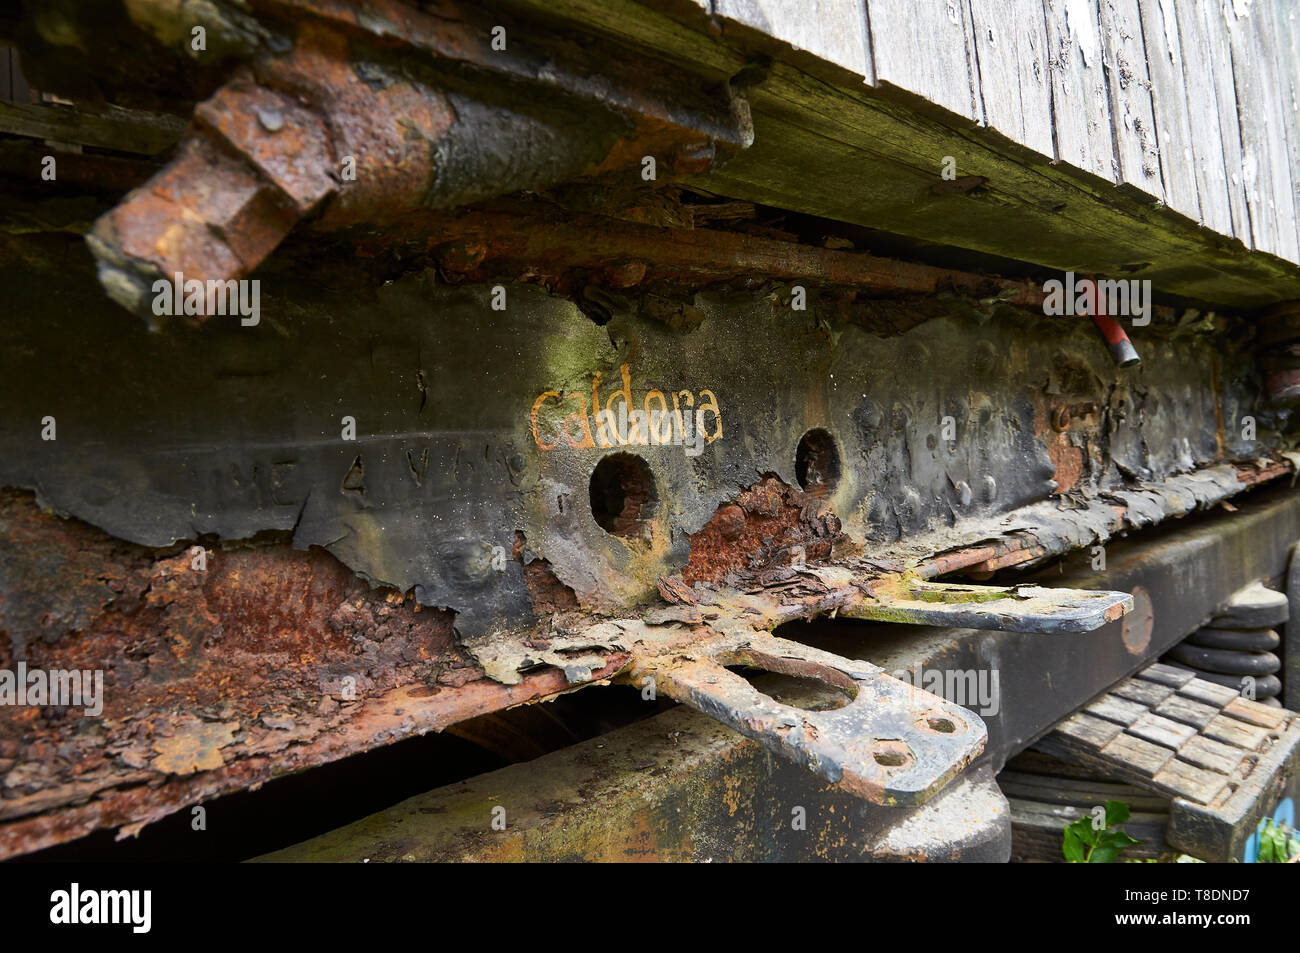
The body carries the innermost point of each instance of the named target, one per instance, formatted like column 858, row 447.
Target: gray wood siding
column 1190, row 103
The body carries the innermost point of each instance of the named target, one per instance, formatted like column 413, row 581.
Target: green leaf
column 1116, row 813
column 1103, row 855
column 1270, row 847
column 1083, row 829
column 1117, row 839
column 1072, row 846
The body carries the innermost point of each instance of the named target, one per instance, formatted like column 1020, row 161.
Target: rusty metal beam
column 681, row 787
column 678, row 787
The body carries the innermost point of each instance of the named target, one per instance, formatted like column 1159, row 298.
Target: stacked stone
column 1238, row 644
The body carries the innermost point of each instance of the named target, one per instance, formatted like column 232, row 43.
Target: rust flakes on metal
column 768, row 527
column 194, row 746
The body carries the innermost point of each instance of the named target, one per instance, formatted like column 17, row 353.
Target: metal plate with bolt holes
column 890, row 744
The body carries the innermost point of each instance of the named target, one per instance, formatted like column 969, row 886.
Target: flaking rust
column 223, row 667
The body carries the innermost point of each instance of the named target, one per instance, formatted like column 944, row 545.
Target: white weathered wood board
column 1255, row 31
column 832, row 30
column 927, row 49
column 1211, row 166
column 1080, row 102
column 1128, row 85
column 1286, row 26
column 1218, row 65
column 1164, row 55
column 1011, row 56
column 1142, row 93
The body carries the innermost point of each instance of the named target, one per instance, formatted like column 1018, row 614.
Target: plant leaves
column 1116, row 813
column 1083, row 829
column 1117, row 839
column 1072, row 846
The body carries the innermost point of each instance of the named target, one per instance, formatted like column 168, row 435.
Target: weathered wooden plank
column 1244, row 709
column 1084, row 730
column 1011, row 56
column 1136, row 757
column 1203, row 690
column 1286, row 28
column 1210, row 166
column 927, row 49
column 1051, row 789
column 1213, row 755
column 1234, row 732
column 1128, row 85
column 1164, row 56
column 1166, row 675
column 1255, row 83
column 1080, row 102
column 123, row 129
column 1188, row 781
column 1143, row 692
column 1189, row 712
column 831, row 30
column 814, row 132
column 1161, row 731
column 1284, row 175
column 1119, row 710
column 1216, row 60
column 1036, row 830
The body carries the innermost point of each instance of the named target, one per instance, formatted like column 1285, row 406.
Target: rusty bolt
column 731, row 521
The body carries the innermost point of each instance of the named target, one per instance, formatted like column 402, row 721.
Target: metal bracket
column 892, row 744
column 1007, row 609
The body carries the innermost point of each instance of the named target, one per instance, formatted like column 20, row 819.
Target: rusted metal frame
column 401, row 713
column 679, row 787
column 487, row 242
column 888, row 720
column 457, row 33
column 893, row 743
column 1024, row 548
column 273, row 141
column 860, row 590
column 826, row 591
